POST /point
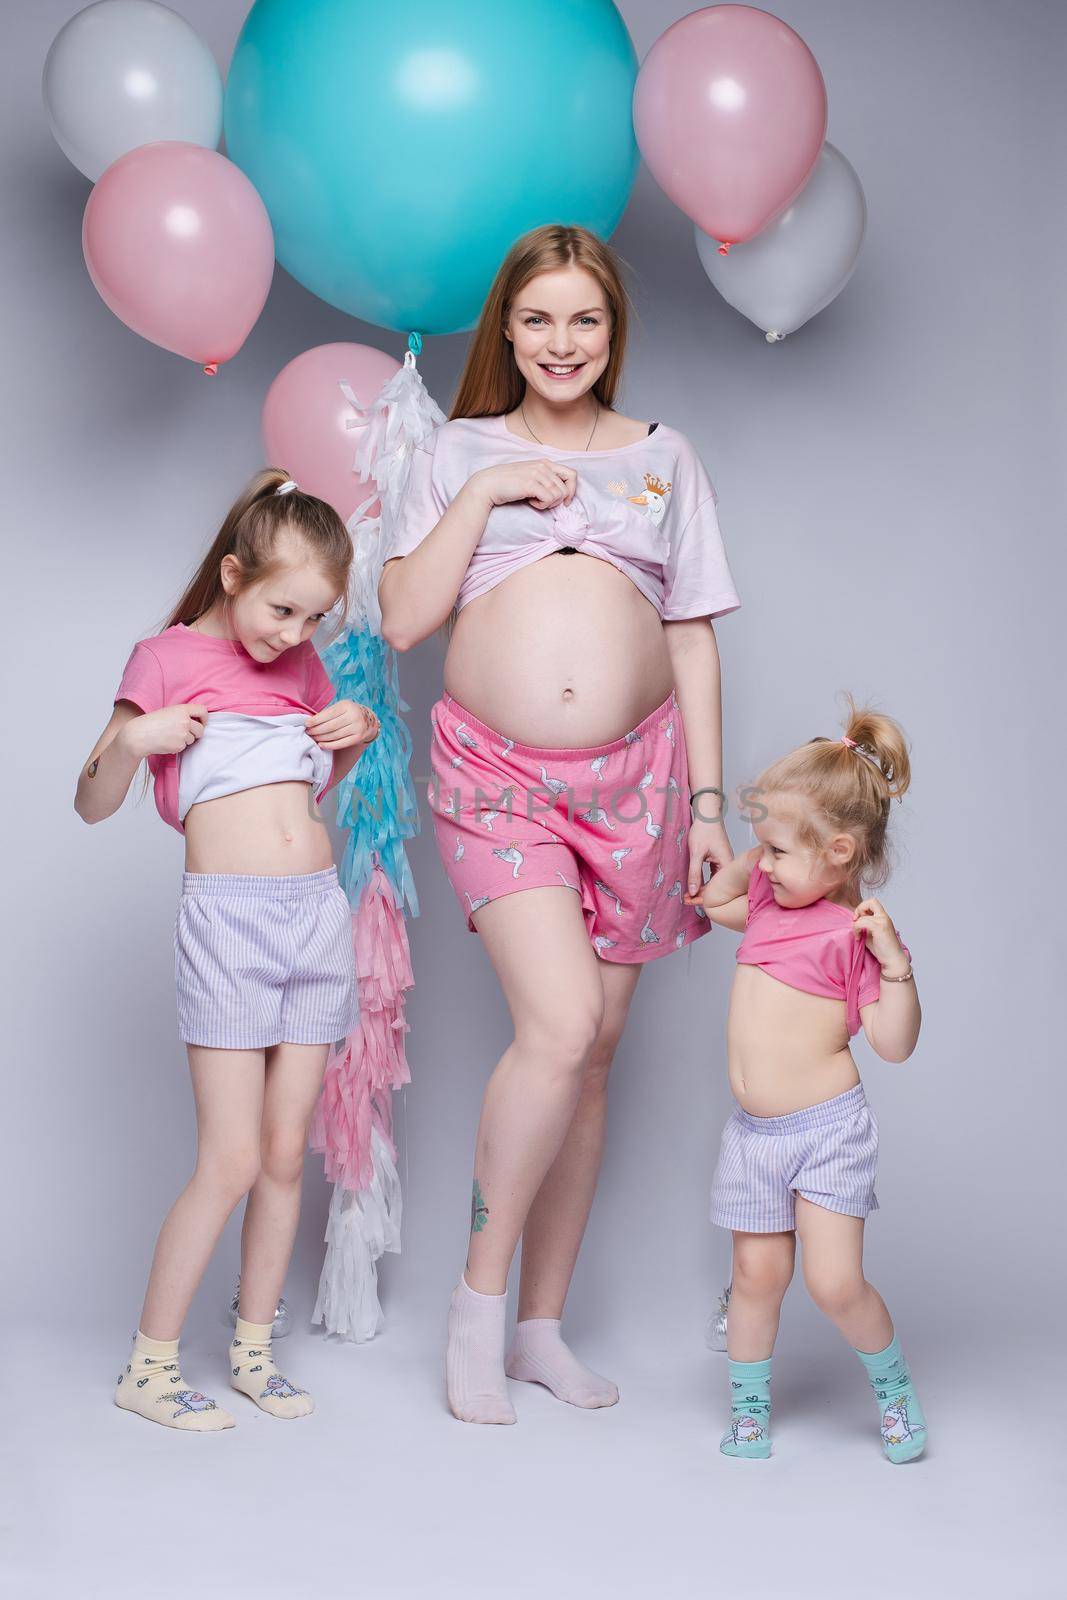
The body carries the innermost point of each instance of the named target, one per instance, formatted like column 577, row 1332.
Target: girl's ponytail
column 881, row 740
column 249, row 532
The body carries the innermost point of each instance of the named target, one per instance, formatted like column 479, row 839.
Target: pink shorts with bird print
column 610, row 822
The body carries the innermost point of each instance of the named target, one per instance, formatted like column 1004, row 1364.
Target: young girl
column 230, row 705
column 798, row 1154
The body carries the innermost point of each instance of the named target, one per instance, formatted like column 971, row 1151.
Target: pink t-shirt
column 810, row 947
column 648, row 508
column 180, row 666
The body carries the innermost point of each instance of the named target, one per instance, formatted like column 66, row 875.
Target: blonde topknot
column 849, row 782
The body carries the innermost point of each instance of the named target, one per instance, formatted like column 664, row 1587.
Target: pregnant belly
column 565, row 652
column 273, row 829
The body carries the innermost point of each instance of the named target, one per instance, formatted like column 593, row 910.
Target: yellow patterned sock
column 153, row 1386
column 252, row 1370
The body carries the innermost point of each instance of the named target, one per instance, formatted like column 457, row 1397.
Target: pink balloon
column 179, row 246
column 730, row 115
column 305, row 417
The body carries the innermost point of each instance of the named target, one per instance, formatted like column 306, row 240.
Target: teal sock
column 750, row 1410
column 903, row 1423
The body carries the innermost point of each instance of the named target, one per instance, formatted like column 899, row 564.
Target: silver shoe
column 715, row 1330
column 282, row 1319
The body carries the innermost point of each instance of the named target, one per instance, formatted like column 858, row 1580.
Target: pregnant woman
column 576, row 753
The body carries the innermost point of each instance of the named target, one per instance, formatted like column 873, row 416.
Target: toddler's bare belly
column 270, row 830
column 565, row 652
column 787, row 1049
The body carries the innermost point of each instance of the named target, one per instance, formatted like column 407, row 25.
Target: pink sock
column 538, row 1355
column 474, row 1364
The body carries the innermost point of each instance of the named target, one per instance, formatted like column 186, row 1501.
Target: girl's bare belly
column 787, row 1049
column 565, row 653
column 270, row 830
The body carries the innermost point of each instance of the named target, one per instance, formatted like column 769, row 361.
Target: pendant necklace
column 588, row 442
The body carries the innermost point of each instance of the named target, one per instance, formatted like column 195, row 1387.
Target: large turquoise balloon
column 401, row 146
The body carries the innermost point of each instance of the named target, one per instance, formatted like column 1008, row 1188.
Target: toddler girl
column 231, row 707
column 817, row 961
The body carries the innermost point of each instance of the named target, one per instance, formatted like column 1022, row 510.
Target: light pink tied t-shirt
column 180, row 666
column 648, row 508
column 813, row 947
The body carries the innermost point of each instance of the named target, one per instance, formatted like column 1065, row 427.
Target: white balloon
column 802, row 259
column 124, row 73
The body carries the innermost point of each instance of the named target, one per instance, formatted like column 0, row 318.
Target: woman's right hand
column 166, row 732
column 543, row 483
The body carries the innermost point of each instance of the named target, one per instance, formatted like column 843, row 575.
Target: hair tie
column 287, row 487
column 868, row 755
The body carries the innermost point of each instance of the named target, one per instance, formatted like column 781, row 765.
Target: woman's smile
column 561, row 372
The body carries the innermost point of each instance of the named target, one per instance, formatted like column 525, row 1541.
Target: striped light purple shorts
column 260, row 961
column 826, row 1153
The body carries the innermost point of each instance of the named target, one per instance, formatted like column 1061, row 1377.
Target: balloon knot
column 415, row 343
column 212, row 369
column 724, row 249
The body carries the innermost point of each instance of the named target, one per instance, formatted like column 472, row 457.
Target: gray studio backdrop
column 891, row 491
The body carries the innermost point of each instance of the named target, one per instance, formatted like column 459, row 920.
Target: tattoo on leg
column 479, row 1209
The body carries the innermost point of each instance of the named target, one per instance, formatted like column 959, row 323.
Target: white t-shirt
column 647, row 507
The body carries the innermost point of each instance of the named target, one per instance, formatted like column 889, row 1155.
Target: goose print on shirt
column 653, row 500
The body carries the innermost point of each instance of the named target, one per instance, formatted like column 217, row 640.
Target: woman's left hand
column 872, row 921
column 343, row 723
column 708, row 841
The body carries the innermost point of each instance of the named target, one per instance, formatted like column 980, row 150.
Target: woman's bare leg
column 293, row 1080
column 557, row 1219
column 538, row 945
column 537, row 942
column 228, row 1089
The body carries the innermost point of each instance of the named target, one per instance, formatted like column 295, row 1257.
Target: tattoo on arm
column 479, row 1209
column 91, row 768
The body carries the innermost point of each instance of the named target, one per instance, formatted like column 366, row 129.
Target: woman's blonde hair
column 491, row 383
column 848, row 788
column 249, row 532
